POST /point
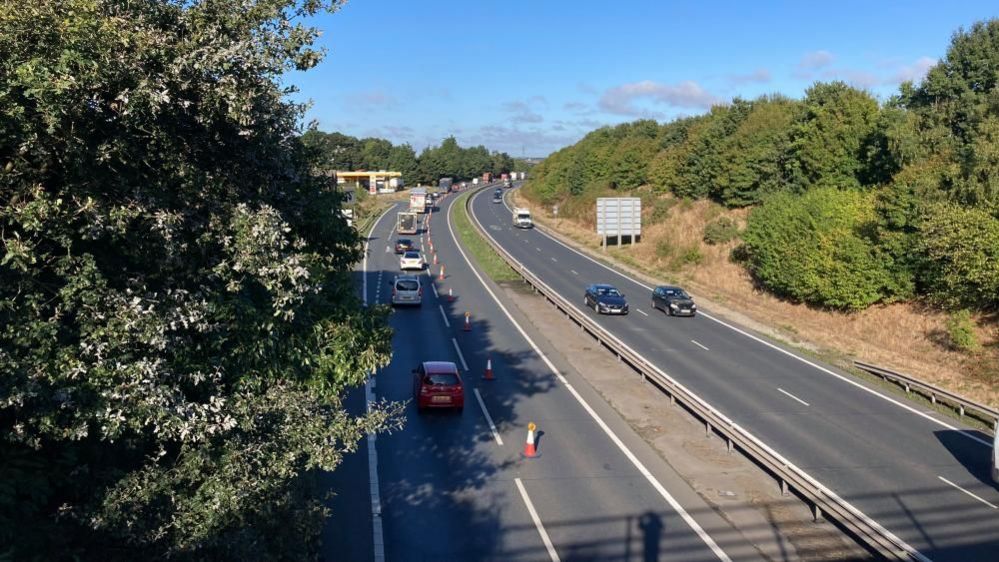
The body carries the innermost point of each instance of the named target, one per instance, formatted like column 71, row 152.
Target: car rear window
column 413, row 255
column 407, row 285
column 441, row 379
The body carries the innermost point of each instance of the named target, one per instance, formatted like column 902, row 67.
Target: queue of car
column 607, row 299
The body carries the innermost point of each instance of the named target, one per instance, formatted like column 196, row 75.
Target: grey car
column 673, row 301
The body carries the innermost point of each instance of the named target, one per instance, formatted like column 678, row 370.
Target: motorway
column 918, row 474
column 455, row 486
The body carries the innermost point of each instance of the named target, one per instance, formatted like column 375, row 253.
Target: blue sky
column 531, row 76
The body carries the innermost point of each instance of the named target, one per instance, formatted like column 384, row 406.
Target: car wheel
column 671, row 313
column 654, row 306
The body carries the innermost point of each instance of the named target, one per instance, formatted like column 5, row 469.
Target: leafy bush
column 961, row 330
column 720, row 231
column 962, row 247
column 660, row 210
column 813, row 248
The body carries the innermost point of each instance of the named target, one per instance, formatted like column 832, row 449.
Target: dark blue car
column 605, row 299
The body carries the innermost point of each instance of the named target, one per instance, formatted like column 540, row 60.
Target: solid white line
column 444, row 316
column 698, row 344
column 537, row 521
column 460, row 356
column 694, row 525
column 941, row 423
column 642, row 312
column 373, row 485
column 786, row 393
column 967, row 492
column 489, row 419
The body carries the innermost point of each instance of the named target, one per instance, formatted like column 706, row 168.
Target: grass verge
column 483, row 254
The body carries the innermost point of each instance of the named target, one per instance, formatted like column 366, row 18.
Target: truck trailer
column 418, row 200
column 522, row 218
column 407, row 222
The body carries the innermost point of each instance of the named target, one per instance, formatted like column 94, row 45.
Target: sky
column 531, row 76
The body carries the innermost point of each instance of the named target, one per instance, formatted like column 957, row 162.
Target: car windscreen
column 523, row 216
column 608, row 292
column 412, row 255
column 404, row 242
column 441, row 379
column 407, row 285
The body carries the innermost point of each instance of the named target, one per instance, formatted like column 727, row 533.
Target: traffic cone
column 468, row 321
column 450, row 294
column 489, row 370
column 441, row 277
column 530, row 451
column 435, row 258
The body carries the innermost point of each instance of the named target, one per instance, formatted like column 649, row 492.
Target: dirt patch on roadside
column 780, row 526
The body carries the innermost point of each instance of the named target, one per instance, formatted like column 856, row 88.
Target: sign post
column 619, row 217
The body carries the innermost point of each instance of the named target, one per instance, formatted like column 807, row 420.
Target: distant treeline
column 855, row 202
column 344, row 152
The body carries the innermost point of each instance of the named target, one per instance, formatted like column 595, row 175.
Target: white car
column 411, row 260
column 406, row 289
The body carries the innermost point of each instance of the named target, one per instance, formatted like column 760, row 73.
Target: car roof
column 440, row 367
column 407, row 278
column 671, row 287
column 602, row 286
column 404, row 240
column 410, row 252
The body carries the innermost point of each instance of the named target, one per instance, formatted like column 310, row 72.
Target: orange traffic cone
column 441, row 277
column 530, row 451
column 489, row 370
column 450, row 294
column 468, row 321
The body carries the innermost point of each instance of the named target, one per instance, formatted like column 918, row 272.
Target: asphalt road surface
column 918, row 474
column 455, row 486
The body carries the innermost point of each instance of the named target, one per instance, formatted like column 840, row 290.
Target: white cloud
column 760, row 75
column 621, row 99
column 811, row 62
column 913, row 72
column 522, row 111
column 370, row 100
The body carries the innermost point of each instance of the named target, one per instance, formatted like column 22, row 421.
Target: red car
column 437, row 384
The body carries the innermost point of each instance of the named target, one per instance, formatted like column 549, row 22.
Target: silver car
column 406, row 289
column 412, row 259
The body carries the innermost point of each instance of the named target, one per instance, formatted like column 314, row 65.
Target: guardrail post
column 672, row 399
column 707, row 428
column 933, row 398
column 961, row 409
column 817, row 513
column 783, row 487
column 731, row 445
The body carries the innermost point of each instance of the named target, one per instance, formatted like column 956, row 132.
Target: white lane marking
column 574, row 272
column 786, row 393
column 537, row 521
column 444, row 316
column 433, row 287
column 387, row 250
column 554, row 260
column 887, row 398
column 642, row 312
column 967, row 492
column 698, row 344
column 694, row 525
column 377, row 533
column 460, row 355
column 537, row 248
column 489, row 419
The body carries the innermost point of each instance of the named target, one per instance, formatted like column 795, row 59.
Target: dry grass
column 908, row 337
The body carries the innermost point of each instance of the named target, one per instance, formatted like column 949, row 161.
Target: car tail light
column 421, row 291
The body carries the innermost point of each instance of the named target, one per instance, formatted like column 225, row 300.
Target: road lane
column 880, row 457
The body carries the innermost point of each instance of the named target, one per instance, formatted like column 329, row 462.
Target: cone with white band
column 530, row 451
column 488, row 375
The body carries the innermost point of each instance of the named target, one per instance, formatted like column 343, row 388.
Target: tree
column 962, row 247
column 815, row 248
column 177, row 314
column 829, row 142
column 402, row 159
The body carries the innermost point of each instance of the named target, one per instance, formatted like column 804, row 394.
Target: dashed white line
column 554, row 260
column 967, row 492
column 700, row 345
column 642, row 312
column 574, row 272
column 460, row 355
column 444, row 316
column 537, row 521
column 786, row 393
column 537, row 248
column 489, row 419
column 433, row 287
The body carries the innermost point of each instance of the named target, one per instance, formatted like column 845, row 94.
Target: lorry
column 487, row 177
column 522, row 218
column 407, row 222
column 445, row 184
column 504, row 177
column 418, row 200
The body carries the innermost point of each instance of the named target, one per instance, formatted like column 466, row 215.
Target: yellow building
column 375, row 182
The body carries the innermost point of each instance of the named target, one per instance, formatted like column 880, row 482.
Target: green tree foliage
column 829, row 143
column 336, row 151
column 815, row 248
column 177, row 314
column 962, row 250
